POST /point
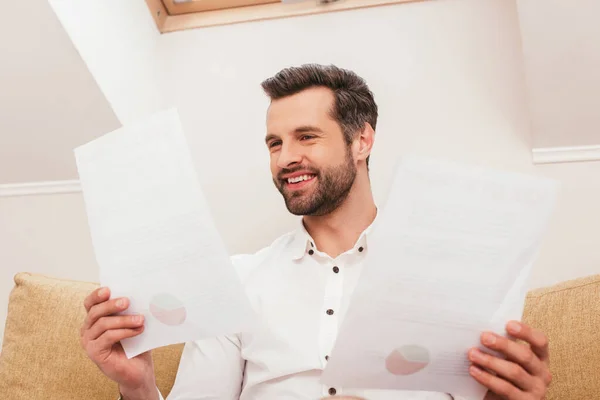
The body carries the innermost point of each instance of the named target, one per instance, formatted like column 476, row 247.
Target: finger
column 104, row 309
column 508, row 370
column 114, row 322
column 496, row 384
column 517, row 352
column 536, row 339
column 97, row 296
column 109, row 338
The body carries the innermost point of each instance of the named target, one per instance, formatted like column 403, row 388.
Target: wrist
column 147, row 391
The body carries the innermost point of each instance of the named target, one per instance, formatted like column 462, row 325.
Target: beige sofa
column 41, row 357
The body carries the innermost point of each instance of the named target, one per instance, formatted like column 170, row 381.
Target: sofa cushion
column 41, row 354
column 569, row 313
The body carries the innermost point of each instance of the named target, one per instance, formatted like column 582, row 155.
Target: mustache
column 286, row 171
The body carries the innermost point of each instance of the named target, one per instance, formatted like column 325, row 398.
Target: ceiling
column 49, row 101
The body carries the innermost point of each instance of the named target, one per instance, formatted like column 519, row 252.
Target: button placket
column 331, row 306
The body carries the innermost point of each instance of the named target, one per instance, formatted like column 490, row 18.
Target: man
column 320, row 132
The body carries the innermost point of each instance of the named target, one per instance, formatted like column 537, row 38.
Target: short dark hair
column 354, row 102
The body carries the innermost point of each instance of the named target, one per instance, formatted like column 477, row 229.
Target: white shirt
column 302, row 295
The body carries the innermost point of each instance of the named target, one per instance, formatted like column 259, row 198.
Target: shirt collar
column 302, row 242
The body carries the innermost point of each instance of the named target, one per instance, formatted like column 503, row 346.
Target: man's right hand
column 100, row 336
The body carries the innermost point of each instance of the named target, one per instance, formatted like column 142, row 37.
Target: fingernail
column 514, row 327
column 474, row 355
column 102, row 292
column 489, row 339
column 474, row 370
column 120, row 303
column 137, row 319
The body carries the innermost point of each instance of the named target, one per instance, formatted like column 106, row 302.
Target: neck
column 338, row 231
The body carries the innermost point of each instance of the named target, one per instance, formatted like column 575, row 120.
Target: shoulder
column 246, row 264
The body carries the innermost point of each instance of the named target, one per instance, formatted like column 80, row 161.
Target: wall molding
column 39, row 188
column 542, row 155
column 550, row 155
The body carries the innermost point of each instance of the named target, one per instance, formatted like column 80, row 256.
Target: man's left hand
column 523, row 375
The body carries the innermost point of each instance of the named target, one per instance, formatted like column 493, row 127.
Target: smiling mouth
column 299, row 182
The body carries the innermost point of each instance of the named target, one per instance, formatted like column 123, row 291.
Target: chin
column 303, row 210
column 297, row 209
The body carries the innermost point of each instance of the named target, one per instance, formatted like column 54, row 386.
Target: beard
column 332, row 186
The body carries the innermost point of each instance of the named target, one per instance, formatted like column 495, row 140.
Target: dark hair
column 354, row 103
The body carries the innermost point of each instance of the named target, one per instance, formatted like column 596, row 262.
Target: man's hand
column 101, row 333
column 523, row 375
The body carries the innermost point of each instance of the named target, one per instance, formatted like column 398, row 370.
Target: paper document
column 448, row 258
column 154, row 238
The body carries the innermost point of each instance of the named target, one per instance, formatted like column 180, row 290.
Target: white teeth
column 299, row 178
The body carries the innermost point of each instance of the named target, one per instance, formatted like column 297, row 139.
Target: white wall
column 446, row 74
column 117, row 41
column 561, row 46
column 450, row 84
column 571, row 247
column 49, row 100
column 43, row 234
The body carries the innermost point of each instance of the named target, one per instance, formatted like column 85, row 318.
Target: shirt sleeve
column 210, row 369
column 213, row 369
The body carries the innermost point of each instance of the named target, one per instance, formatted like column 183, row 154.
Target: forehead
column 309, row 107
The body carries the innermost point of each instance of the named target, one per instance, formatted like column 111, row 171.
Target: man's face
column 312, row 165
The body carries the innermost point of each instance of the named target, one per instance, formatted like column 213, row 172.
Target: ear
column 364, row 142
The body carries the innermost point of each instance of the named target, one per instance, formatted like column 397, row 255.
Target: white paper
column 448, row 259
column 154, row 238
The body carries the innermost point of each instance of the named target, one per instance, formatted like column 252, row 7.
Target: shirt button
column 326, row 358
column 311, row 252
column 330, row 312
column 336, row 269
column 332, row 391
column 360, row 249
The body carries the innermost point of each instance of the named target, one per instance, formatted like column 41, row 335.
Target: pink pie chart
column 168, row 309
column 407, row 360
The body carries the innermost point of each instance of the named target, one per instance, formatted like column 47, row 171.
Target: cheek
column 327, row 156
column 273, row 165
column 319, row 155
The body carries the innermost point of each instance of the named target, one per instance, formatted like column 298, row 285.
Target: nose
column 288, row 156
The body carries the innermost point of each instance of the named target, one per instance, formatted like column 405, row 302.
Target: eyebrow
column 300, row 129
column 307, row 128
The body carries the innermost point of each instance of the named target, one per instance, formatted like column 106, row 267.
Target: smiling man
column 320, row 132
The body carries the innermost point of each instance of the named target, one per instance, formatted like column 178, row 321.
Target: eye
column 306, row 137
column 274, row 143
